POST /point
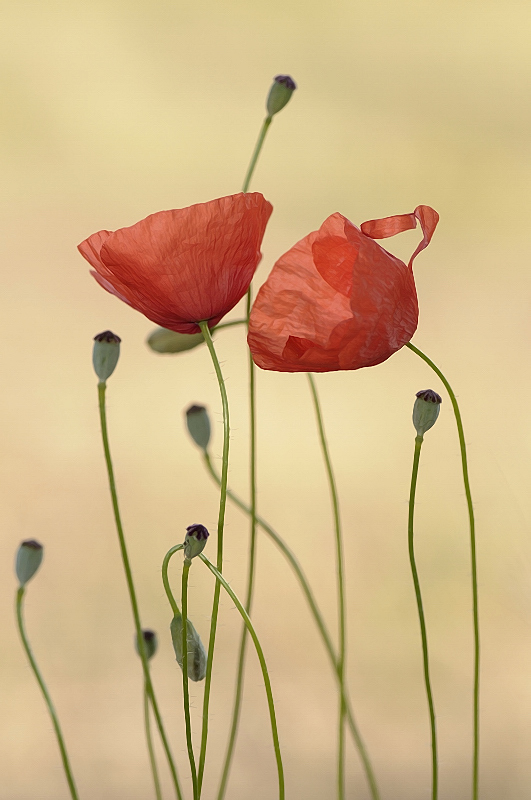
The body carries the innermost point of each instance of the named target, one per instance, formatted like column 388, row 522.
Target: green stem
column 340, row 588
column 165, row 579
column 130, row 585
column 221, row 521
column 414, row 474
column 254, row 158
column 152, row 759
column 472, row 526
column 230, row 324
column 317, row 616
column 186, row 695
column 251, row 567
column 45, row 693
column 267, row 683
column 251, row 570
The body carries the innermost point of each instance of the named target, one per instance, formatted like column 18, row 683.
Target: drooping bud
column 198, row 423
column 280, row 94
column 197, row 657
column 28, row 561
column 426, row 410
column 150, row 643
column 161, row 340
column 105, row 354
column 195, row 541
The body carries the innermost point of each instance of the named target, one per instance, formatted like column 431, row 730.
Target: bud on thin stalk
column 28, row 561
column 197, row 656
column 426, row 410
column 150, row 643
column 195, row 541
column 280, row 94
column 105, row 354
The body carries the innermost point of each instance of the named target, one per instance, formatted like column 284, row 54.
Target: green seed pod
column 280, row 94
column 197, row 657
column 28, row 561
column 105, row 354
column 426, row 410
column 195, row 541
column 161, row 340
column 198, row 423
column 150, row 643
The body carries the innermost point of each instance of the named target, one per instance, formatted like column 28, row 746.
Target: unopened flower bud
column 426, row 410
column 150, row 643
column 105, row 354
column 198, row 423
column 280, row 93
column 195, row 541
column 29, row 558
column 197, row 657
column 164, row 341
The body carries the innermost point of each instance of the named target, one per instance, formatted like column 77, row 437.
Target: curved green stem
column 165, row 579
column 317, row 616
column 340, row 589
column 473, row 558
column 229, row 324
column 151, row 751
column 221, row 521
column 414, row 474
column 130, row 585
column 45, row 693
column 267, row 683
column 186, row 695
column 254, row 158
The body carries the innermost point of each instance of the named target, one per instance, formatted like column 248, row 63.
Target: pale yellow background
column 114, row 110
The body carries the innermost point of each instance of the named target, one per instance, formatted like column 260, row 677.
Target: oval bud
column 164, row 341
column 150, row 643
column 28, row 561
column 426, row 410
column 198, row 423
column 195, row 541
column 280, row 94
column 105, row 354
column 197, row 657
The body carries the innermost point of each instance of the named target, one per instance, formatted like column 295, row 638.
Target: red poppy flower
column 186, row 265
column 337, row 300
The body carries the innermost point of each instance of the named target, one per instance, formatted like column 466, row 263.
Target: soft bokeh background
column 115, row 110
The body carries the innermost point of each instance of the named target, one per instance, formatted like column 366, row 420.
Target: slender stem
column 166, row 582
column 254, row 158
column 414, row 474
column 340, row 589
column 151, row 750
column 130, row 585
column 473, row 558
column 45, row 693
column 186, row 695
column 267, row 683
column 221, row 521
column 317, row 616
column 251, row 566
column 251, row 569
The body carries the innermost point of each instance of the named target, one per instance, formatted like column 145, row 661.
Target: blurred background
column 115, row 110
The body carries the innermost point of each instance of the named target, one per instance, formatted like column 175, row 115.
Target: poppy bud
column 29, row 558
column 426, row 410
column 150, row 643
column 164, row 341
column 197, row 656
column 198, row 424
column 195, row 541
column 105, row 354
column 280, row 93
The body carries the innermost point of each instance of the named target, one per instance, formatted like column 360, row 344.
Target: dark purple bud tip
column 195, row 541
column 148, row 635
column 199, row 532
column 107, row 336
column 429, row 396
column 150, row 643
column 287, row 81
column 32, row 543
column 195, row 410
